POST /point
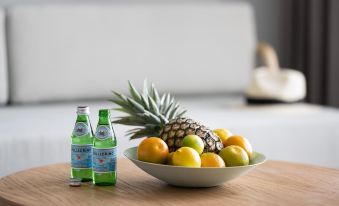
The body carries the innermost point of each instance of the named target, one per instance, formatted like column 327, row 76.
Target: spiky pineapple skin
column 174, row 132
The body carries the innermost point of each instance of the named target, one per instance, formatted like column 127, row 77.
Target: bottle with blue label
column 82, row 146
column 104, row 151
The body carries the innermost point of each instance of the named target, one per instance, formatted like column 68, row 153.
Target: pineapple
column 161, row 117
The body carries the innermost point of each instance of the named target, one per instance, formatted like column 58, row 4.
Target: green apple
column 193, row 141
column 234, row 156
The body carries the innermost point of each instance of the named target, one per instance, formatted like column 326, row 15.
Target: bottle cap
column 74, row 182
column 83, row 110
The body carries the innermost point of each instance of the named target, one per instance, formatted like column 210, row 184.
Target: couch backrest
column 3, row 61
column 62, row 52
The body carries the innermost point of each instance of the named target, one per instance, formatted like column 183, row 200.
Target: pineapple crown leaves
column 146, row 110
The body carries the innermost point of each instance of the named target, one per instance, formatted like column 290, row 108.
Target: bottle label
column 103, row 132
column 81, row 156
column 81, row 129
column 104, row 160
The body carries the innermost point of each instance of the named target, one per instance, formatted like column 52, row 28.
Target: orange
column 223, row 135
column 210, row 159
column 241, row 142
column 154, row 150
column 187, row 157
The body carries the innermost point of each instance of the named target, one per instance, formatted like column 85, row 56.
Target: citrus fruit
column 223, row 134
column 241, row 142
column 186, row 156
column 234, row 156
column 170, row 158
column 153, row 149
column 194, row 142
column 210, row 159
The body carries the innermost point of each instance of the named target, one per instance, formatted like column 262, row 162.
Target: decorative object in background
column 270, row 84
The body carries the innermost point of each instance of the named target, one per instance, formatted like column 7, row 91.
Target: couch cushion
column 60, row 52
column 298, row 133
column 3, row 61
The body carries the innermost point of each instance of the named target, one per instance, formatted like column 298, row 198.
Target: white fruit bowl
column 193, row 177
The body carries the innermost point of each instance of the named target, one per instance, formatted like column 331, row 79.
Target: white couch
column 61, row 56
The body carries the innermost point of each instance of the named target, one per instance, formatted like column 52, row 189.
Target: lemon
column 223, row 134
column 187, row 157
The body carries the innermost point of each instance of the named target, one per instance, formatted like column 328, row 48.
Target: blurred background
column 58, row 54
column 303, row 32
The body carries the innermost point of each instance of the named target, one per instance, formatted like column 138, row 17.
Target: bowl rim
column 174, row 166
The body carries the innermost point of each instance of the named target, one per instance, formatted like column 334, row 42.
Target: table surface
column 273, row 183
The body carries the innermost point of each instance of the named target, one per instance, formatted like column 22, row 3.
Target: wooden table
column 273, row 183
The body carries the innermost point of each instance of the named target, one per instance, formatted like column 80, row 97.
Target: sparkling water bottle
column 81, row 148
column 104, row 151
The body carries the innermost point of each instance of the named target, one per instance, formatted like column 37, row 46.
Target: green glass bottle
column 81, row 148
column 104, row 151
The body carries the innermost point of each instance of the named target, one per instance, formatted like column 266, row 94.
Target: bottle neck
column 82, row 118
column 104, row 120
